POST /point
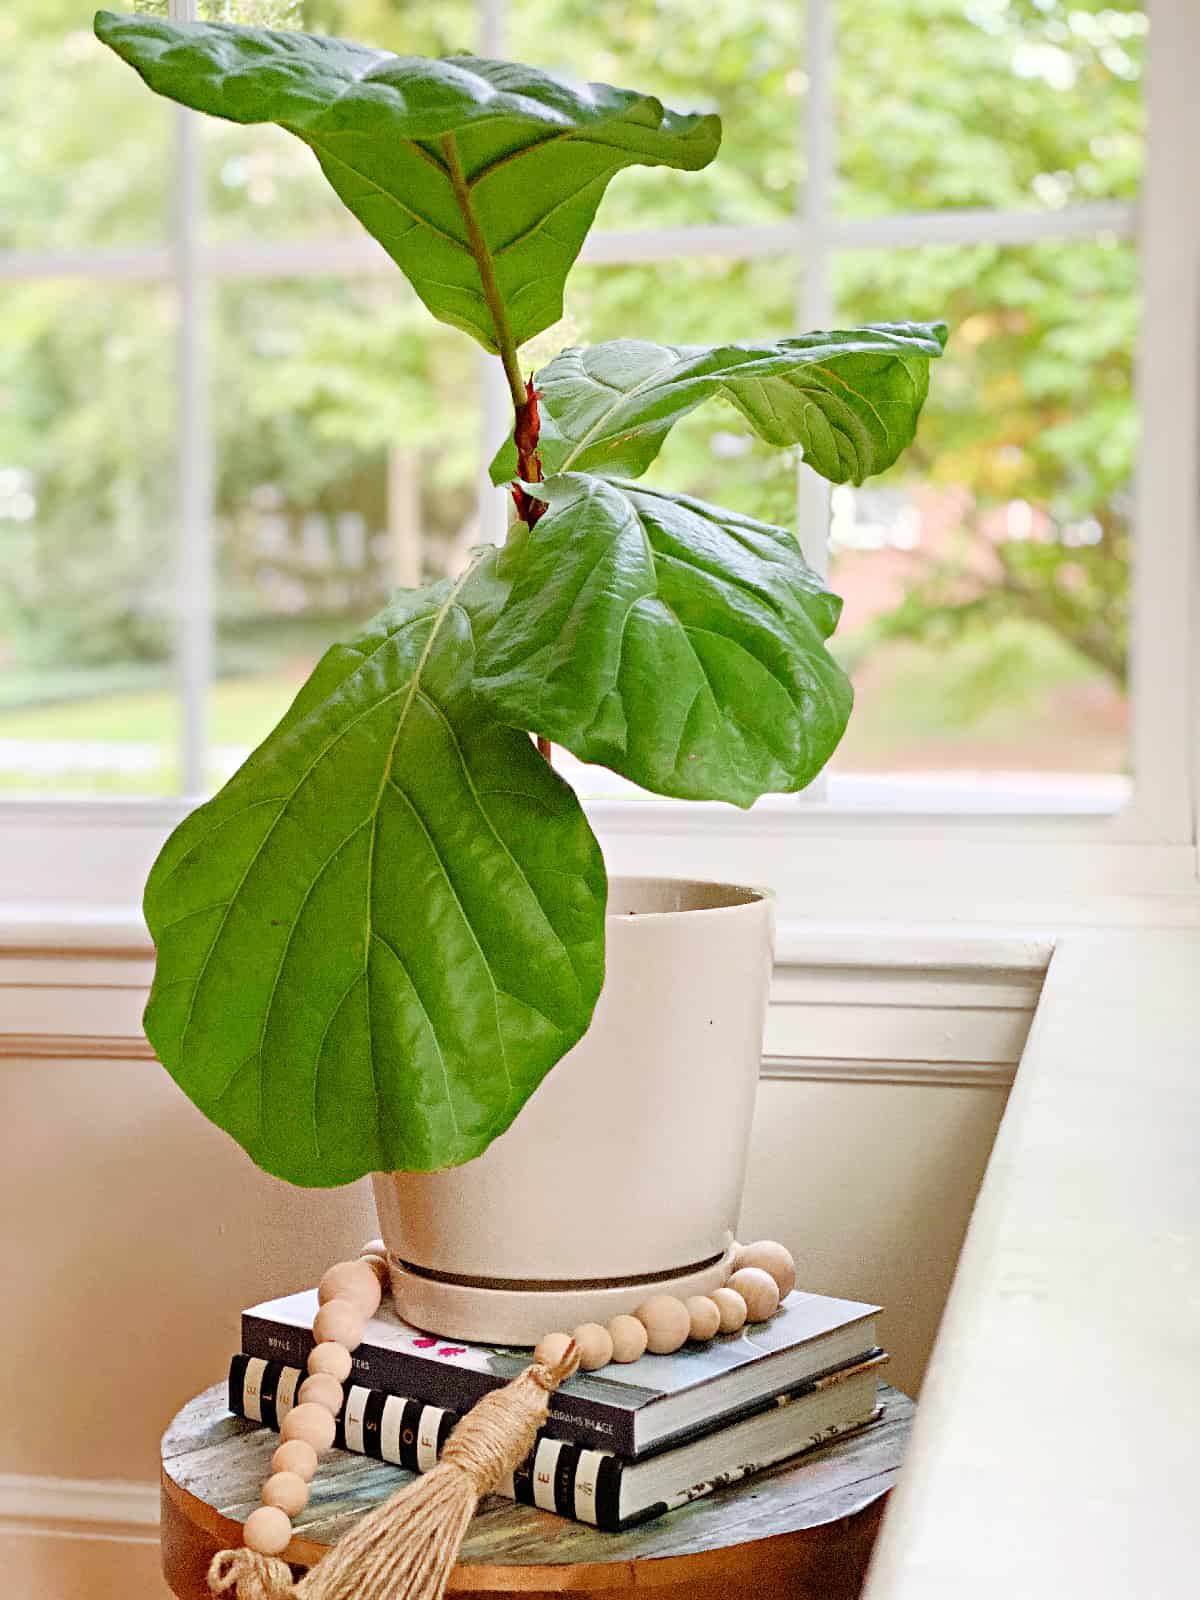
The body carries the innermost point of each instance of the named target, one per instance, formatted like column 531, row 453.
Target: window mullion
column 495, row 404
column 815, row 208
column 813, row 309
column 493, row 28
column 193, row 533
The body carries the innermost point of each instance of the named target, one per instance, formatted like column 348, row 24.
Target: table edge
column 651, row 1571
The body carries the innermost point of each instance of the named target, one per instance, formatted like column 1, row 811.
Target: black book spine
column 586, row 1422
column 557, row 1475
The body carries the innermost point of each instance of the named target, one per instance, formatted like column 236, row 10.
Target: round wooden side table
column 802, row 1530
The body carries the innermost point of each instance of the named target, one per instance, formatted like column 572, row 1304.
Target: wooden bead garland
column 628, row 1336
column 287, row 1490
column 551, row 1347
column 731, row 1309
column 310, row 1422
column 268, row 1530
column 350, row 1292
column 772, row 1258
column 295, row 1455
column 355, row 1281
column 758, row 1289
column 339, row 1322
column 666, row 1321
column 332, row 1359
column 595, row 1345
column 705, row 1318
column 322, row 1390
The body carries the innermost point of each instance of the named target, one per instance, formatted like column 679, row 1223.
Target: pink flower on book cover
column 445, row 1350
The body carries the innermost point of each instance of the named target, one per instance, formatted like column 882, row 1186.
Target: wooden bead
column 295, row 1456
column 374, row 1247
column 355, row 1281
column 705, row 1317
column 311, row 1423
column 628, row 1337
column 551, row 1347
column 332, row 1359
column 268, row 1530
column 732, row 1308
column 595, row 1345
column 287, row 1490
column 379, row 1266
column 322, row 1390
column 758, row 1289
column 772, row 1257
column 340, row 1321
column 666, row 1322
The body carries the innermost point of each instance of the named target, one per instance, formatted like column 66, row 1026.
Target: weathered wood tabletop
column 803, row 1529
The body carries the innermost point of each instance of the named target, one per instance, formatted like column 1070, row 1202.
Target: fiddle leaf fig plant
column 375, row 941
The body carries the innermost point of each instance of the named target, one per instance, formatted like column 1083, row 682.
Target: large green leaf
column 387, row 927
column 680, row 644
column 850, row 398
column 479, row 178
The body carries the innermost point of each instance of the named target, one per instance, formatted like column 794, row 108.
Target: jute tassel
column 406, row 1548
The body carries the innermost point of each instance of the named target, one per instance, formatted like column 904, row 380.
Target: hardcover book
column 629, row 1409
column 595, row 1486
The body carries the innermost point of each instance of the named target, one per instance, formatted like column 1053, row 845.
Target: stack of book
column 621, row 1445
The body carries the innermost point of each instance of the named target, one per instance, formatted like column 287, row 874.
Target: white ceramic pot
column 622, row 1176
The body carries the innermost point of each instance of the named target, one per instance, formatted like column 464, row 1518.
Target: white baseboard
column 42, row 1504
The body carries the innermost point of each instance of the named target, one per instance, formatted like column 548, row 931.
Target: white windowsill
column 1054, row 1450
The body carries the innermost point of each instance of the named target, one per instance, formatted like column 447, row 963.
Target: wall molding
column 927, row 1005
column 919, row 1074
column 44, row 1504
column 74, row 1047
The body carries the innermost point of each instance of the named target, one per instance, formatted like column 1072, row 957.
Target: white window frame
column 858, row 850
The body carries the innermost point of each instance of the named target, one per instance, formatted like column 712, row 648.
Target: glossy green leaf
column 850, row 398
column 680, row 644
column 383, row 932
column 479, row 178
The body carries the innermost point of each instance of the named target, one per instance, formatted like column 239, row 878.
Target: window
column 216, row 451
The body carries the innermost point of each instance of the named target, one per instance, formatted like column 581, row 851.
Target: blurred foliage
column 1030, row 432
column 941, row 103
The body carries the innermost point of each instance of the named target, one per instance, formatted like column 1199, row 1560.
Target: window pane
column 263, row 182
column 347, row 464
column 83, row 152
column 986, row 577
column 1006, row 103
column 713, row 454
column 740, row 60
column 87, row 701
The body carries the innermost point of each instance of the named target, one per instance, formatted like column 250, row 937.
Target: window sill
column 826, row 863
column 1054, row 1445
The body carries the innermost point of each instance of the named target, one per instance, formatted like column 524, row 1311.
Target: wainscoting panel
column 133, row 1232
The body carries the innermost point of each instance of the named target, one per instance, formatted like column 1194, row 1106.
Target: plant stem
column 487, row 272
column 524, row 399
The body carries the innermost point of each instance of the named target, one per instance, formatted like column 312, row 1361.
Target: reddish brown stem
column 545, row 749
column 529, row 463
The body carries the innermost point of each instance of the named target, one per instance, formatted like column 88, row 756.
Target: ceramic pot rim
column 648, row 898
